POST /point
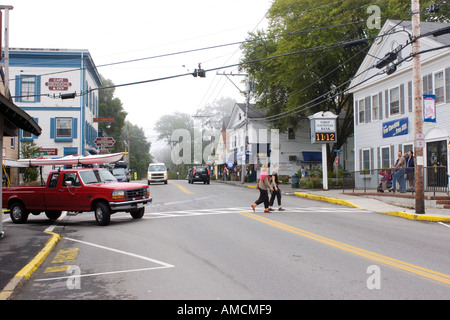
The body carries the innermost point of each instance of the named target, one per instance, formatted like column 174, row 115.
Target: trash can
column 295, row 181
column 249, row 177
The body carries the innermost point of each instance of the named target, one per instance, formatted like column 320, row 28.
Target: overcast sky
column 115, row 31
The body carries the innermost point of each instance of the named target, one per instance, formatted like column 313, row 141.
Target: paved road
column 204, row 242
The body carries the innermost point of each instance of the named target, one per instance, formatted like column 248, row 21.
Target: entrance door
column 437, row 163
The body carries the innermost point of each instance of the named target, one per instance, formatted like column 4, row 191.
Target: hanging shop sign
column 429, row 108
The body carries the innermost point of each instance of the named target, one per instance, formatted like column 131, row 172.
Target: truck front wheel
column 18, row 213
column 138, row 214
column 102, row 213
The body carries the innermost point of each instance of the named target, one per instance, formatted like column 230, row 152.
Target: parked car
column 121, row 171
column 121, row 174
column 157, row 172
column 199, row 174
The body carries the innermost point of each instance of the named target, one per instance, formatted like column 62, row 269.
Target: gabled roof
column 400, row 31
column 241, row 108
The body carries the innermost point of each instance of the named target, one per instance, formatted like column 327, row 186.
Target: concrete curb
column 327, row 199
column 401, row 214
column 8, row 291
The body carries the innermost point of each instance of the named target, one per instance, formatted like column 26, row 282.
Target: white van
column 157, row 172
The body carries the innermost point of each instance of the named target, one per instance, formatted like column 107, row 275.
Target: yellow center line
column 428, row 273
column 179, row 186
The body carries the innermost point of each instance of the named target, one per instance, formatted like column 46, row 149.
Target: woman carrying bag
column 263, row 186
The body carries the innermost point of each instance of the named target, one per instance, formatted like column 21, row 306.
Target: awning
column 312, row 156
column 17, row 117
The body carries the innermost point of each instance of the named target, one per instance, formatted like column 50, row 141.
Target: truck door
column 70, row 192
column 51, row 194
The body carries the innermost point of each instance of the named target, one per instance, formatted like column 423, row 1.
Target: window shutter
column 18, row 89
column 360, row 160
column 447, row 84
column 37, row 89
column 74, row 128
column 367, row 112
column 380, row 106
column 410, row 102
column 356, row 112
column 386, row 104
column 402, row 99
column 372, row 164
column 52, row 128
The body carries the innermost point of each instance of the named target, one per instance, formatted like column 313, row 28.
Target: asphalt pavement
column 22, row 249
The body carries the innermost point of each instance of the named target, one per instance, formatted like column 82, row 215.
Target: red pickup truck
column 77, row 190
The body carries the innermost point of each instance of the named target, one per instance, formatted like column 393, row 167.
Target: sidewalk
column 401, row 205
column 22, row 250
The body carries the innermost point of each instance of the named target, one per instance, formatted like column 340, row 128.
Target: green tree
column 28, row 151
column 167, row 124
column 109, row 106
column 139, row 149
column 294, row 86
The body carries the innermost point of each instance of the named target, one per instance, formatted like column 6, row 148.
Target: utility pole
column 418, row 116
column 5, row 64
column 247, row 106
column 246, row 137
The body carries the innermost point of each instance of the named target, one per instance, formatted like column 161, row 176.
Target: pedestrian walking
column 263, row 186
column 276, row 193
column 225, row 172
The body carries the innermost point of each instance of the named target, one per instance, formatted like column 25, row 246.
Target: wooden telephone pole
column 418, row 116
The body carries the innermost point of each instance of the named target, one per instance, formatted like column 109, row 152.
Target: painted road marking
column 63, row 256
column 179, row 186
column 427, row 273
column 199, row 212
column 160, row 264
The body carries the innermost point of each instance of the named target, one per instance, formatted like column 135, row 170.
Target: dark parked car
column 199, row 174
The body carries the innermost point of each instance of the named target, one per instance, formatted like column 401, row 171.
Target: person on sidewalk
column 225, row 173
column 276, row 190
column 263, row 186
column 399, row 173
column 410, row 170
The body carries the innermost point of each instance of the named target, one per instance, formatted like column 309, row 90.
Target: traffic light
column 199, row 72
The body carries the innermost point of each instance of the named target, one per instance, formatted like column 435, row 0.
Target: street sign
column 105, row 119
column 104, row 141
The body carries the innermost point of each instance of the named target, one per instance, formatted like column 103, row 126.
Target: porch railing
column 436, row 179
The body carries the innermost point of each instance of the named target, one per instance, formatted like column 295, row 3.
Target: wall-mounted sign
column 58, row 84
column 429, row 108
column 395, row 128
column 48, row 151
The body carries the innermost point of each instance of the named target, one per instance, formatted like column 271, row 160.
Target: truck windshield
column 157, row 168
column 96, row 176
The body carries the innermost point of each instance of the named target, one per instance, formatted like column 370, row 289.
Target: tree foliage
column 127, row 135
column 110, row 106
column 294, row 86
column 139, row 149
column 29, row 150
